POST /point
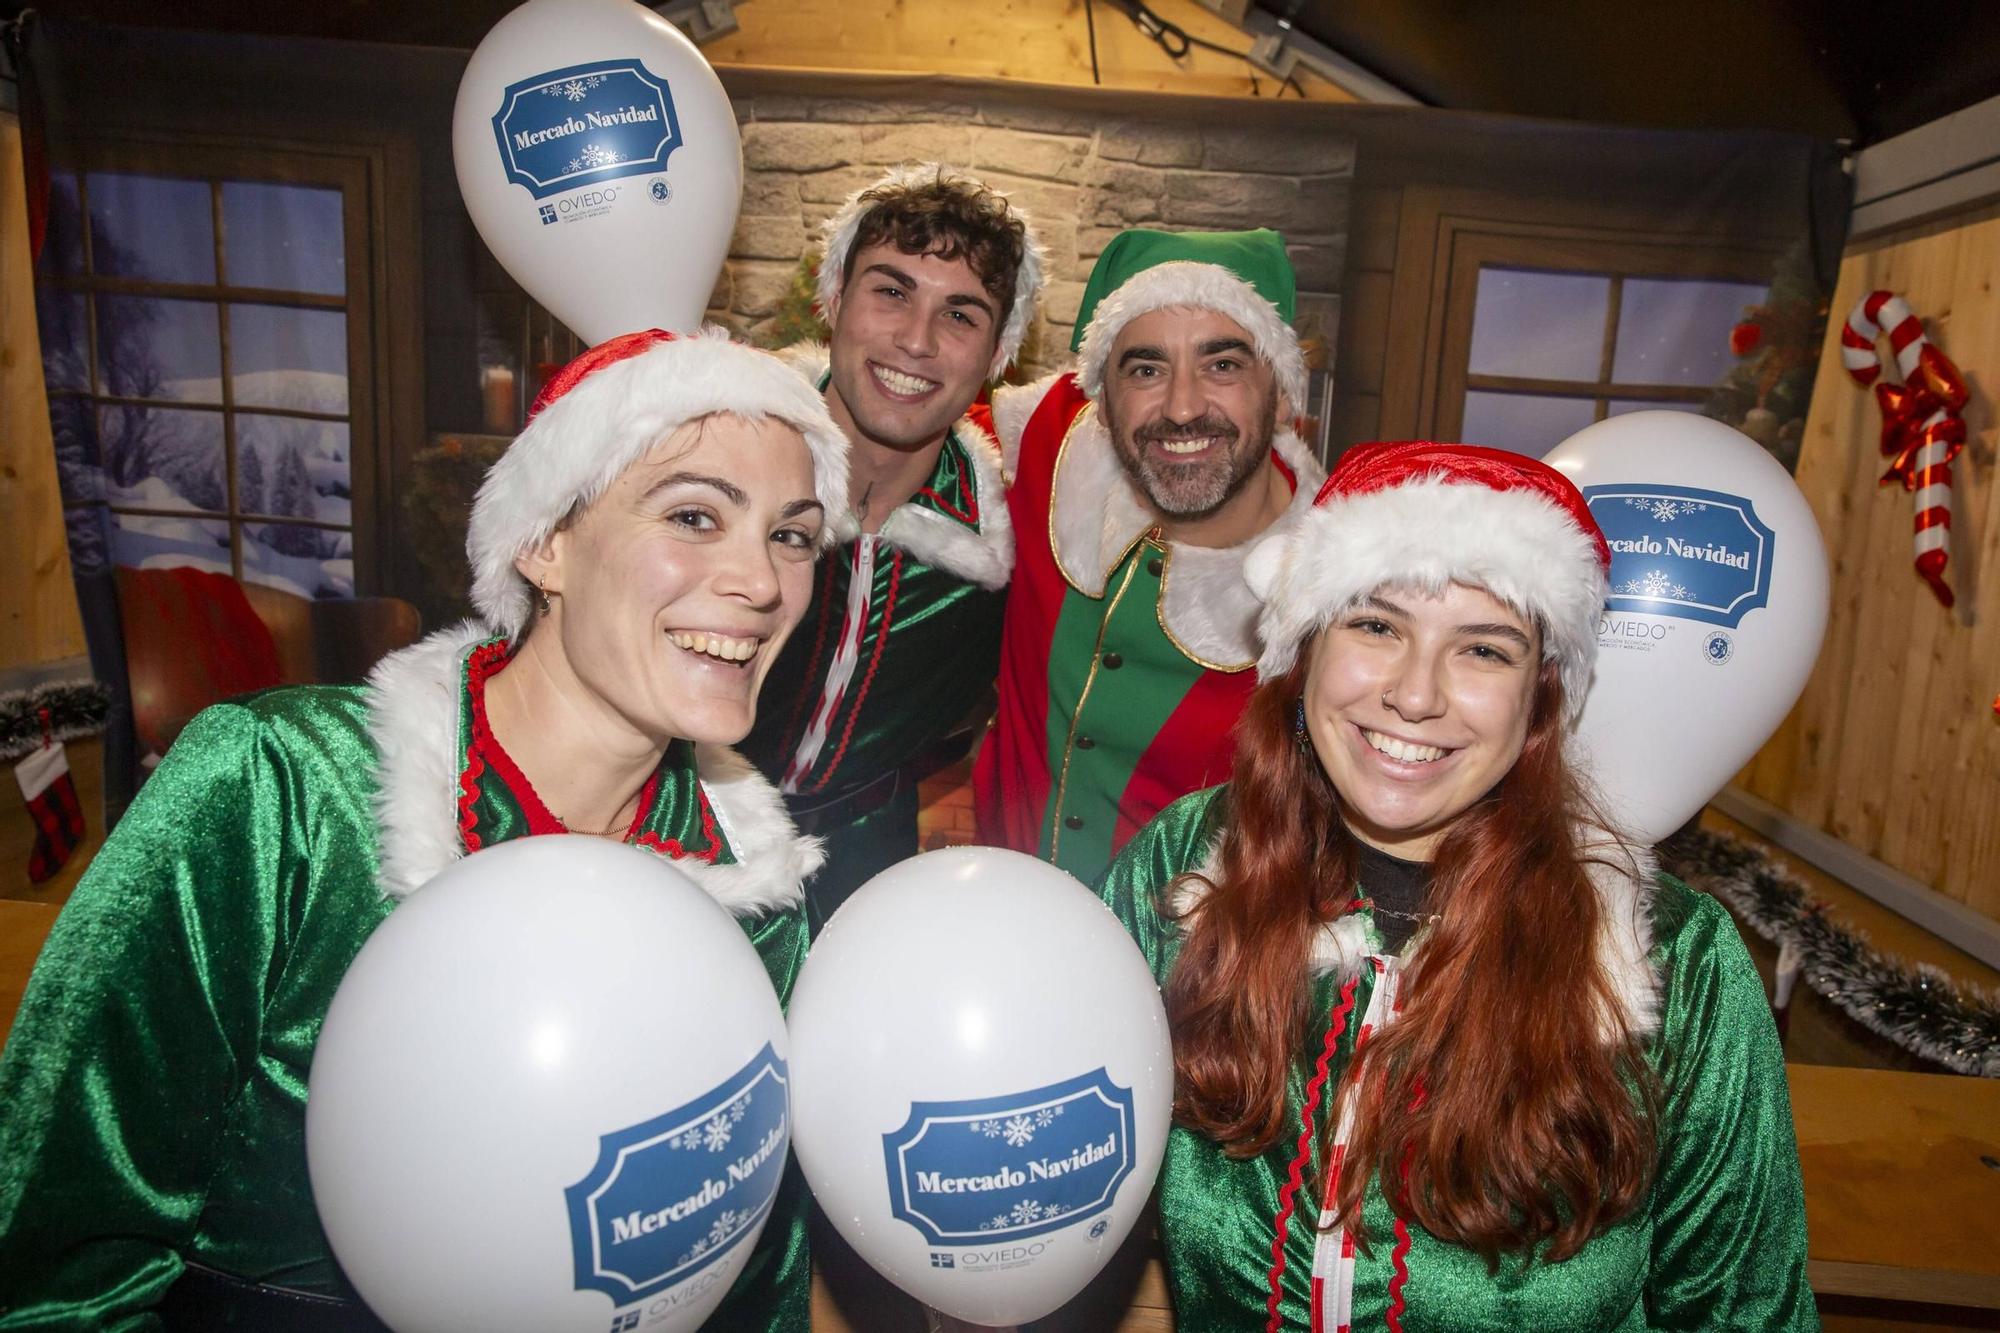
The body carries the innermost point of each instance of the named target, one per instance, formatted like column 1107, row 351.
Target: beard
column 1194, row 490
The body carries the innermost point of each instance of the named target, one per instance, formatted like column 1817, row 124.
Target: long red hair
column 1509, row 1105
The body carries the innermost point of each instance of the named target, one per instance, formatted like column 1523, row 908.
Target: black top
column 1397, row 888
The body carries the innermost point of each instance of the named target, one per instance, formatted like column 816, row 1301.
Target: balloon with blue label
column 599, row 158
column 550, row 1094
column 982, row 1080
column 1718, row 604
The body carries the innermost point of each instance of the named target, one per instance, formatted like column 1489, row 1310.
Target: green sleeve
column 140, row 1023
column 1136, row 887
column 1729, row 1227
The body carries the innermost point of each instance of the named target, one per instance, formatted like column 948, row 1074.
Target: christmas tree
column 1766, row 394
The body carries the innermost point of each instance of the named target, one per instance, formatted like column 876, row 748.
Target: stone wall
column 1082, row 176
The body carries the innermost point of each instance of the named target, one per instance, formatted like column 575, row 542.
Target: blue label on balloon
column 585, row 124
column 667, row 1198
column 1678, row 551
column 1006, row 1168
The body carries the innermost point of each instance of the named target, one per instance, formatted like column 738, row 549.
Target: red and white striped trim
column 860, row 588
column 1333, row 1249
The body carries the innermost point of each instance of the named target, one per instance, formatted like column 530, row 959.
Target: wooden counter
column 1902, row 1177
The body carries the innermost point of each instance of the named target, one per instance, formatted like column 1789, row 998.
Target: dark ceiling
column 1838, row 69
column 1833, row 68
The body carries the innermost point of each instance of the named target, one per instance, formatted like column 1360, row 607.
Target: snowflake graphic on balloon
column 574, row 90
column 1665, row 511
column 725, row 1226
column 1019, row 1131
column 1655, row 584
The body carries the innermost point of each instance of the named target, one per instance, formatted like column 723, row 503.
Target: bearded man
column 1140, row 480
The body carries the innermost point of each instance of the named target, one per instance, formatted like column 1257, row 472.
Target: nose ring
column 1385, row 702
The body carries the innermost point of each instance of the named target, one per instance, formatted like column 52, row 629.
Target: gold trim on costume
column 1076, row 714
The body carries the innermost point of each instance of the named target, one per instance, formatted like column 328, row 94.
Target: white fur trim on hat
column 1183, row 282
column 841, row 229
column 579, row 444
column 1517, row 545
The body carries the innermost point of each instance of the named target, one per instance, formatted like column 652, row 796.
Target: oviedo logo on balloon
column 1682, row 552
column 668, row 1198
column 1001, row 1169
column 585, row 125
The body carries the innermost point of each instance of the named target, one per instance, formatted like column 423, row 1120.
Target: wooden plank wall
column 38, row 617
column 40, row 629
column 1039, row 41
column 1895, row 748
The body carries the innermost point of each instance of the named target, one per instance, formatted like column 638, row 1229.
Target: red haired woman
column 1449, row 1054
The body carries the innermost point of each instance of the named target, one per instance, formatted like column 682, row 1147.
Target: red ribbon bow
column 1935, row 385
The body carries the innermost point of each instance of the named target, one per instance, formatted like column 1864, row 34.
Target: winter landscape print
column 206, row 432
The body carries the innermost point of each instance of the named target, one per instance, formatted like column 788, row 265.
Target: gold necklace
column 618, row 826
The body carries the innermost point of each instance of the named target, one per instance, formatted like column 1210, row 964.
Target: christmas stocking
column 50, row 794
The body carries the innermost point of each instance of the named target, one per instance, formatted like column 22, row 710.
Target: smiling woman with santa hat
column 1449, row 1053
column 639, row 555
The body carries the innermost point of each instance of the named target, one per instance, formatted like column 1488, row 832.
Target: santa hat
column 1245, row 275
column 600, row 414
column 1421, row 515
column 842, row 228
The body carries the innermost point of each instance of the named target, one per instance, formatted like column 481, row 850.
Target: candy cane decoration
column 1922, row 431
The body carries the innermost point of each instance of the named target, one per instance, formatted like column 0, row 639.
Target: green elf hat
column 1245, row 275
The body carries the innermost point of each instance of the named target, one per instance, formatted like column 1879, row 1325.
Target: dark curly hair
column 951, row 217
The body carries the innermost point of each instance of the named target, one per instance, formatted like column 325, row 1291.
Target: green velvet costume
column 1720, row 1242
column 152, row 1095
column 900, row 646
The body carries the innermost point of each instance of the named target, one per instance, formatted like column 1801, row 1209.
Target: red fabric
column 1171, row 767
column 191, row 639
column 608, row 352
column 1379, row 467
column 1011, row 781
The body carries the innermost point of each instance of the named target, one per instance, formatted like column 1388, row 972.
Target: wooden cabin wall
column 1037, row 41
column 1895, row 748
column 41, row 634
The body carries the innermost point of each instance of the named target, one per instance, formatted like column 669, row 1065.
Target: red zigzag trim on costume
column 1289, row 1193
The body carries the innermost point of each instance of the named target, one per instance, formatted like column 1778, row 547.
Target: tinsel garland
column 75, row 709
column 1917, row 1006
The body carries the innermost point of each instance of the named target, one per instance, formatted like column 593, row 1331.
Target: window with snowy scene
column 198, row 333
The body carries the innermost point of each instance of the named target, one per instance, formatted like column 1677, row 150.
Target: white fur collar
column 1096, row 514
column 413, row 713
column 981, row 553
column 1624, row 875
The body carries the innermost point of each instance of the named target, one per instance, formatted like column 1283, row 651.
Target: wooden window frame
column 1446, row 235
column 355, row 175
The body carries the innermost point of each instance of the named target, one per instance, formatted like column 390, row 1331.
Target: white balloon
column 550, row 1089
column 599, row 158
column 983, row 1081
column 1718, row 605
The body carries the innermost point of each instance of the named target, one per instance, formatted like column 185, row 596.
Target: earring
column 542, row 593
column 1299, row 735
